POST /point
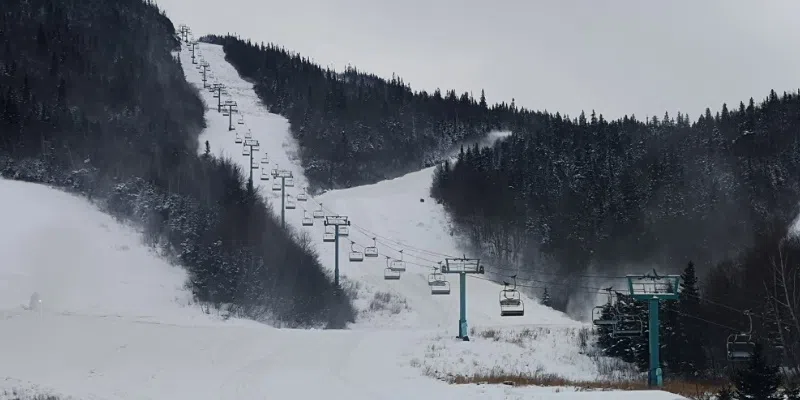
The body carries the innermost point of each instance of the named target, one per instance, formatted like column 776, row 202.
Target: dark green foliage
column 91, row 100
column 355, row 128
column 725, row 394
column 546, row 298
column 759, row 380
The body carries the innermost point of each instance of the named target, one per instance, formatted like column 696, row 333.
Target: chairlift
column 248, row 134
column 245, row 150
column 740, row 347
column 302, row 197
column 398, row 265
column 371, row 251
column 240, row 121
column 440, row 287
column 264, row 175
column 289, row 182
column 438, row 283
column 225, row 113
column 238, row 139
column 511, row 304
column 319, row 214
column 355, row 255
column 435, row 276
column 257, row 147
column 307, row 220
column 344, row 230
column 255, row 165
column 329, row 235
column 290, row 204
column 627, row 325
column 265, row 159
column 597, row 317
column 390, row 274
column 276, row 185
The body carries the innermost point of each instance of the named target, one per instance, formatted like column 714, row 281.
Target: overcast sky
column 618, row 57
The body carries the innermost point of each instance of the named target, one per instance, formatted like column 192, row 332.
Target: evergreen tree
column 690, row 335
column 546, row 298
column 759, row 380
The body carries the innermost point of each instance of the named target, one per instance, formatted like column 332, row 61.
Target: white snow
column 115, row 321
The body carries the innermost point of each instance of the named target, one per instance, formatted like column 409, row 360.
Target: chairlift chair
column 225, row 113
column 627, row 326
column 265, row 159
column 597, row 317
column 440, row 287
column 238, row 139
column 307, row 221
column 289, row 182
column 290, row 204
column 397, row 265
column 248, row 134
column 276, row 185
column 435, row 277
column 511, row 304
column 740, row 347
column 302, row 197
column 344, row 231
column 390, row 274
column 330, row 234
column 255, row 165
column 245, row 150
column 355, row 255
column 257, row 147
column 264, row 175
column 371, row 251
column 240, row 122
column 319, row 214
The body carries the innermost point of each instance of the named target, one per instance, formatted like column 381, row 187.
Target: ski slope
column 115, row 321
column 400, row 219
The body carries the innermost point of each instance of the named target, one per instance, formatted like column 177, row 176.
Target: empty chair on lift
column 246, row 150
column 355, row 255
column 627, row 325
column 390, row 274
column 290, row 204
column 307, row 220
column 248, row 134
column 302, row 196
column 398, row 265
column 344, row 230
column 329, row 235
column 276, row 185
column 440, row 287
column 238, row 139
column 371, row 251
column 264, row 175
column 319, row 214
column 511, row 304
column 240, row 121
column 438, row 283
column 740, row 347
column 265, row 159
column 599, row 319
column 289, row 182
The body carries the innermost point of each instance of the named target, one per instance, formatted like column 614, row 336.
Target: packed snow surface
column 115, row 321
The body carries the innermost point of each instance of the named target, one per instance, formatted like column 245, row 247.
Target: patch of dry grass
column 692, row 390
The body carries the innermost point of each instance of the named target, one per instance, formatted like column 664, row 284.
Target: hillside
column 93, row 100
column 355, row 128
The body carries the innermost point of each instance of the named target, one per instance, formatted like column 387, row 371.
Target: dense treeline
column 355, row 128
column 92, row 100
column 588, row 193
column 569, row 201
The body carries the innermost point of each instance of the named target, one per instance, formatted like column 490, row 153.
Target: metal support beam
column 336, row 221
column 462, row 267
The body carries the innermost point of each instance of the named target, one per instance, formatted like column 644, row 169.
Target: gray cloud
column 615, row 56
